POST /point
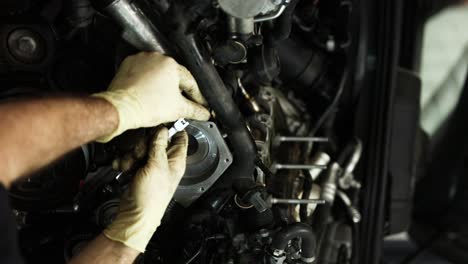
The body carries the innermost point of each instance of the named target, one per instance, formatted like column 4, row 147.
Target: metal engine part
column 208, row 157
column 137, row 28
column 248, row 8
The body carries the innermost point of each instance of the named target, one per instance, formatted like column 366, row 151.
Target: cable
column 332, row 105
column 196, row 253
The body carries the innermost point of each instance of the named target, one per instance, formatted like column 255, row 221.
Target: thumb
column 157, row 153
column 192, row 110
column 177, row 154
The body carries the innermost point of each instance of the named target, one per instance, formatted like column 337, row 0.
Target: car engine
column 269, row 179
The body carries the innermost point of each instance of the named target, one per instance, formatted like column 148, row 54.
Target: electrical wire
column 196, row 253
column 331, row 108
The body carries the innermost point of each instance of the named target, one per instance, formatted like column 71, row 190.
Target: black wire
column 331, row 108
column 196, row 253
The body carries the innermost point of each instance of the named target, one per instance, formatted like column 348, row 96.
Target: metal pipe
column 320, row 158
column 300, row 139
column 278, row 166
column 252, row 102
column 354, row 214
column 137, row 28
column 270, row 16
column 354, row 159
column 329, row 187
column 296, row 201
column 242, row 26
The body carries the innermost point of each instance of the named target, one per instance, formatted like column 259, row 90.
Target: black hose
column 331, row 108
column 296, row 230
column 283, row 24
column 198, row 61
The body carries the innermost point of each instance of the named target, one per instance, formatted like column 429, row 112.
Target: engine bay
column 269, row 179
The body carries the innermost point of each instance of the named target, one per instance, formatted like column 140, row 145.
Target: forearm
column 36, row 132
column 103, row 250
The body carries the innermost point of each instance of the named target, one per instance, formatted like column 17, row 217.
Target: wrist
column 132, row 230
column 123, row 107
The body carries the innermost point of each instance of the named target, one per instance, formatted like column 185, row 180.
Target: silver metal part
column 320, row 158
column 207, row 159
column 252, row 102
column 278, row 256
column 243, row 26
column 347, row 179
column 137, row 28
column 271, row 16
column 295, row 201
column 247, row 8
column 308, row 260
column 353, row 212
column 329, row 187
column 301, row 139
column 278, row 166
column 279, row 139
column 353, row 161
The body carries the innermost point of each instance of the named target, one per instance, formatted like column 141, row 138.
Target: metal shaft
column 296, row 201
column 301, row 139
column 137, row 28
column 298, row 167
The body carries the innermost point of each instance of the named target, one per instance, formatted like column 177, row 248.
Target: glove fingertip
column 161, row 137
column 196, row 111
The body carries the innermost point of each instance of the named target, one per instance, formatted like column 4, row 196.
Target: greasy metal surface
column 207, row 159
column 137, row 28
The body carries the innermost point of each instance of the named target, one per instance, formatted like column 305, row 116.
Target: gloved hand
column 147, row 91
column 143, row 205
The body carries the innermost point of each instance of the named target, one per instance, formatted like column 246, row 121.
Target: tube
column 219, row 98
column 137, row 28
column 296, row 230
column 282, row 28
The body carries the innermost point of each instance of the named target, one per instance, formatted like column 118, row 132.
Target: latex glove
column 143, row 205
column 147, row 91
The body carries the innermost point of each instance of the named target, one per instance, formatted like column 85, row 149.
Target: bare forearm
column 36, row 132
column 103, row 250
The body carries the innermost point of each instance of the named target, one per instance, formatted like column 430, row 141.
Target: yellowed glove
column 147, row 91
column 143, row 205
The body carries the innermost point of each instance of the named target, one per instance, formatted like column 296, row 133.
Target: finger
column 190, row 86
column 126, row 163
column 140, row 148
column 177, row 154
column 116, row 164
column 157, row 153
column 127, row 64
column 192, row 110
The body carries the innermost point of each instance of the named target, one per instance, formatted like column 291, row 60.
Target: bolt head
column 27, row 44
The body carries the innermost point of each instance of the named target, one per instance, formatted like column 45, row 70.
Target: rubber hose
column 198, row 61
column 283, row 24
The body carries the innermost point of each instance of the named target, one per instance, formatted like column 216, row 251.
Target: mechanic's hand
column 147, row 91
column 143, row 205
